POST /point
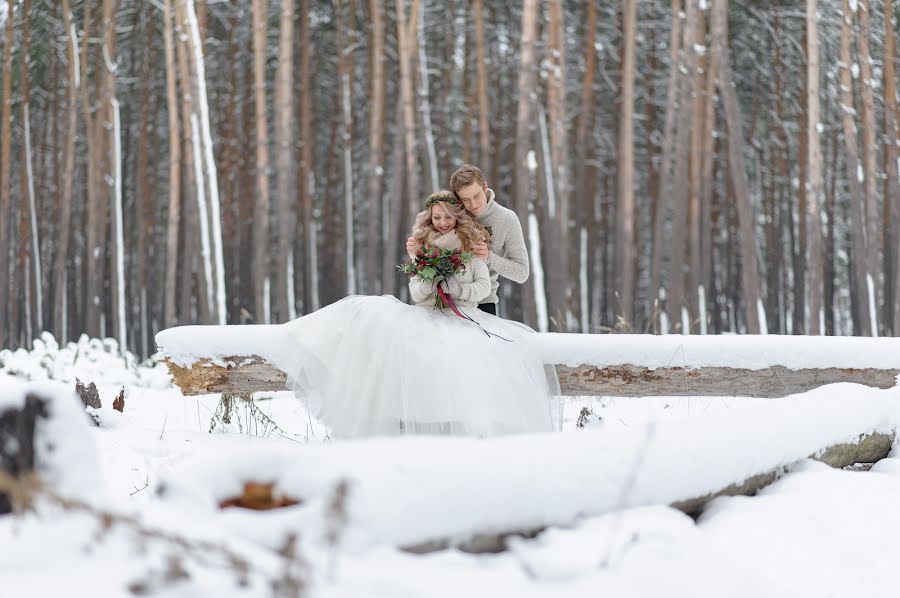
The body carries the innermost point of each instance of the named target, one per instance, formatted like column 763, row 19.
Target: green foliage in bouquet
column 434, row 264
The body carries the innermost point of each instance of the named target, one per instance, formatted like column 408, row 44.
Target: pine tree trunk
column 6, row 260
column 870, row 166
column 891, row 204
column 284, row 110
column 406, row 47
column 625, row 237
column 815, row 266
column 859, row 273
column 261, row 211
column 750, row 267
column 345, row 70
column 307, row 175
column 661, row 200
column 376, row 213
column 174, row 203
column 484, row 109
column 524, row 116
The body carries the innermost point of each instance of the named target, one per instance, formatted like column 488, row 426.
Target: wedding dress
column 373, row 365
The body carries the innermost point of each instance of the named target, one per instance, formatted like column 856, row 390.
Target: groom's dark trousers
column 490, row 308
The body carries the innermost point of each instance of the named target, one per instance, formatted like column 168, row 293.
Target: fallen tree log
column 488, row 489
column 244, row 359
column 236, row 374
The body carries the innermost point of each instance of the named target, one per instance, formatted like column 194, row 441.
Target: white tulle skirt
column 373, row 366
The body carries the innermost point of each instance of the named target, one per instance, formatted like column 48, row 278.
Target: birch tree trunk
column 858, row 264
column 376, row 153
column 814, row 262
column 35, row 255
column 174, row 203
column 284, row 129
column 6, row 260
column 65, row 217
column 524, row 117
column 216, row 282
column 625, row 196
column 750, row 268
column 261, row 211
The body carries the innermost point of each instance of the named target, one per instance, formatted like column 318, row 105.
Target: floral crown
column 442, row 197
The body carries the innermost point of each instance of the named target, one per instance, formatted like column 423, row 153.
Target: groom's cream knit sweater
column 508, row 255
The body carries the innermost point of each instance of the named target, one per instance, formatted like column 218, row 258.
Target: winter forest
column 697, row 166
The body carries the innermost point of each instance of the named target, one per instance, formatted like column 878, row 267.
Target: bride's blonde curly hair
column 467, row 228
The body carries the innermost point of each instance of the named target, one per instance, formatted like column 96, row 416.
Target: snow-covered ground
column 152, row 476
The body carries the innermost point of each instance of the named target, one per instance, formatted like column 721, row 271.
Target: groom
column 507, row 255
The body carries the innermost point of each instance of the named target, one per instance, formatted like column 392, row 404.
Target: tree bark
column 406, row 29
column 484, row 130
column 307, row 174
column 815, row 266
column 261, row 211
column 870, row 166
column 625, row 195
column 284, row 129
column 174, row 203
column 892, row 184
column 858, row 264
column 524, row 116
column 376, row 214
column 6, row 260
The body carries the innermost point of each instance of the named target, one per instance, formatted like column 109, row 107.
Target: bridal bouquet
column 434, row 265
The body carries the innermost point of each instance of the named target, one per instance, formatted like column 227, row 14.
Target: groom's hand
column 411, row 247
column 481, row 250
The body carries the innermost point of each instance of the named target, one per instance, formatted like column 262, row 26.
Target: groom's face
column 474, row 197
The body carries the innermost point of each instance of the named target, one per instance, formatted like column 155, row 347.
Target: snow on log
column 423, row 493
column 244, row 359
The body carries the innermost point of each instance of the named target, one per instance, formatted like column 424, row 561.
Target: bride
column 372, row 365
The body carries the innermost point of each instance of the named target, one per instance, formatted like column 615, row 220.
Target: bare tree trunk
column 377, row 134
column 484, row 130
column 625, row 210
column 892, row 184
column 307, row 174
column 859, row 272
column 584, row 200
column 6, row 260
column 424, row 101
column 677, row 297
column 698, row 130
column 34, row 258
column 284, row 128
column 815, row 266
column 559, row 277
column 261, row 212
column 661, row 200
column 524, row 117
column 870, row 166
column 174, row 203
column 346, row 132
column 206, row 167
column 799, row 324
column 405, row 33
column 750, row 267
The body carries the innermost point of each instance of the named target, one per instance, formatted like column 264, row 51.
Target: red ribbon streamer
column 449, row 301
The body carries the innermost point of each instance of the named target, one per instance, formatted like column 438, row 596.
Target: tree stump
column 17, row 440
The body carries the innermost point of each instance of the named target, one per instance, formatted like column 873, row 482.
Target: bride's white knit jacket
column 474, row 281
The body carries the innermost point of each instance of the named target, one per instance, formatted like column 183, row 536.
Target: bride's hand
column 453, row 287
column 480, row 249
column 411, row 247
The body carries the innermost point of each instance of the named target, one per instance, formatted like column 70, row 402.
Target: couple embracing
column 373, row 366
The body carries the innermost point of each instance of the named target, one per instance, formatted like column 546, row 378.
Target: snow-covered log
column 424, row 493
column 244, row 359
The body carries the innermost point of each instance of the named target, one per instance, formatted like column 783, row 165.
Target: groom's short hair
column 464, row 176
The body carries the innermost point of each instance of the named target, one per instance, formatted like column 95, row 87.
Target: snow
column 600, row 492
column 184, row 345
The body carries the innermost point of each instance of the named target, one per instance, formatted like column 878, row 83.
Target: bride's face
column 441, row 218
